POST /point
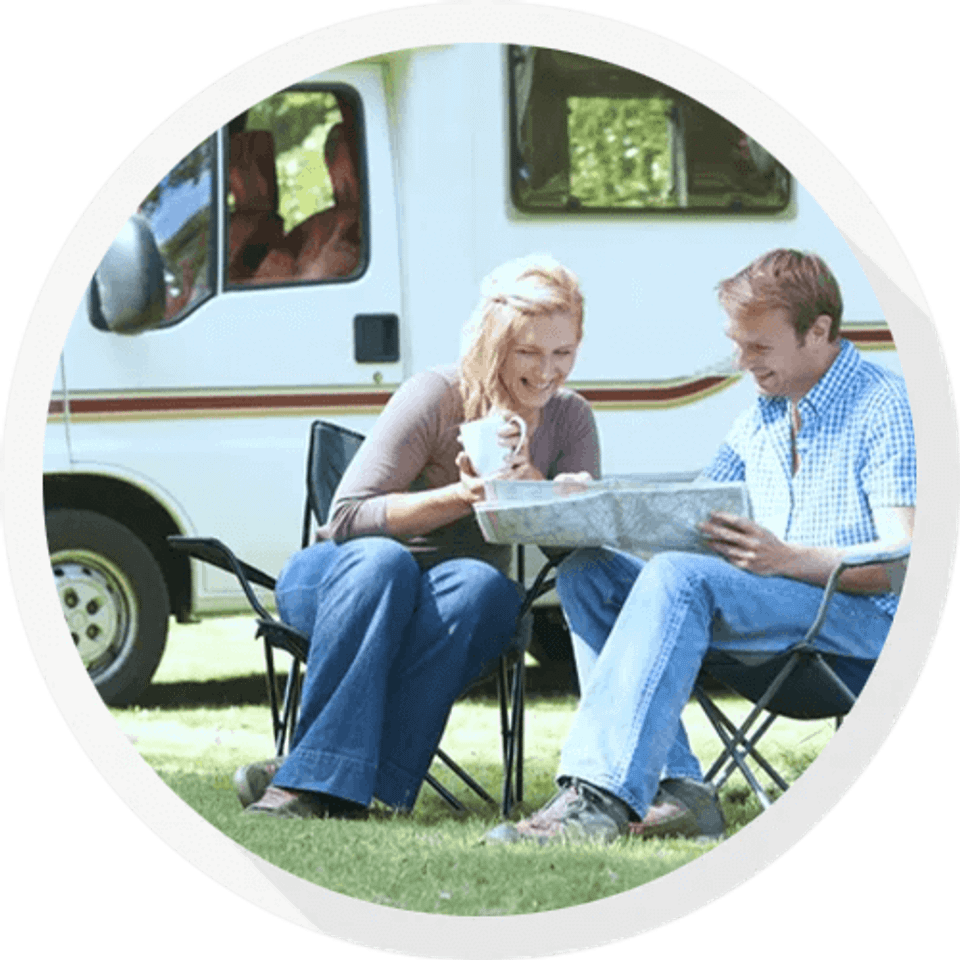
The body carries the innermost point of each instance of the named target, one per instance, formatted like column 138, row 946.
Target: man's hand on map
column 746, row 544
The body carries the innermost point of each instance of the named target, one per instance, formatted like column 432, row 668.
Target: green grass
column 430, row 860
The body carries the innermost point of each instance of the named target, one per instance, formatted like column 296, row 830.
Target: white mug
column 481, row 441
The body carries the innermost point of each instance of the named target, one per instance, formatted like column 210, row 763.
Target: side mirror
column 128, row 293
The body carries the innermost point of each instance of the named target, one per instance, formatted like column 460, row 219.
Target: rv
column 329, row 242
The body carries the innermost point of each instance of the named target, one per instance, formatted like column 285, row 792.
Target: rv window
column 589, row 136
column 295, row 189
column 178, row 210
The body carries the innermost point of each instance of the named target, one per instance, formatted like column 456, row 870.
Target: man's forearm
column 751, row 547
column 815, row 564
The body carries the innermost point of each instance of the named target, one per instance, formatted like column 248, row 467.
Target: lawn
column 206, row 714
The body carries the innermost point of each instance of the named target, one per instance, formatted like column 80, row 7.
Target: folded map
column 638, row 513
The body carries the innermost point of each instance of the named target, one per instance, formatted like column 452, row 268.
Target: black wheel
column 114, row 600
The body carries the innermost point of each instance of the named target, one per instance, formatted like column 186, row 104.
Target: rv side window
column 178, row 210
column 590, row 136
column 295, row 190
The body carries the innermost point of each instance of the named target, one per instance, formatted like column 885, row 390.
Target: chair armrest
column 217, row 554
column 540, row 586
column 556, row 555
column 278, row 634
column 866, row 557
column 895, row 557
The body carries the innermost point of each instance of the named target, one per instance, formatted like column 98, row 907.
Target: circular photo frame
column 672, row 896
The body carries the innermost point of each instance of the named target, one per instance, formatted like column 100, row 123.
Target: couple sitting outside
column 406, row 604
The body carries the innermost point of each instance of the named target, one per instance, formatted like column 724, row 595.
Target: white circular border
column 839, row 764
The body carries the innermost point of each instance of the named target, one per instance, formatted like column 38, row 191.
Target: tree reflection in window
column 178, row 209
column 295, row 190
column 589, row 135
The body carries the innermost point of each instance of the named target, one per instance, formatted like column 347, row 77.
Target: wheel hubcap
column 98, row 604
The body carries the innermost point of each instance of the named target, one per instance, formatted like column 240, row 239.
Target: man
column 827, row 453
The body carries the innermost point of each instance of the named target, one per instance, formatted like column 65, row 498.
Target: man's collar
column 833, row 382
column 824, row 391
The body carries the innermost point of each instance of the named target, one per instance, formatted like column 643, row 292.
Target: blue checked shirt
column 856, row 451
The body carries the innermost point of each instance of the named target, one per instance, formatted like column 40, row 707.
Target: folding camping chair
column 330, row 449
column 801, row 683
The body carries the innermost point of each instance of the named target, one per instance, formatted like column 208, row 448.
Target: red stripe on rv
column 186, row 404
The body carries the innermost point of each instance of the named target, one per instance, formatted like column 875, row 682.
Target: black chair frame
column 323, row 474
column 801, row 683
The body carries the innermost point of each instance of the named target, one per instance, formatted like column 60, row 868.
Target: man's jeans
column 391, row 648
column 640, row 632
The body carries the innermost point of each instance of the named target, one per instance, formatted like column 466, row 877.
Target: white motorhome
column 329, row 242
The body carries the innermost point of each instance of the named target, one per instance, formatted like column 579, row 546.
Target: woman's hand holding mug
column 497, row 445
column 470, row 488
column 518, row 464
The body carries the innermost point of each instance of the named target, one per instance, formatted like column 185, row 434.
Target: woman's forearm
column 413, row 514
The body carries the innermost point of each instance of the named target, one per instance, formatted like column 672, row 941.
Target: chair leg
column 518, row 706
column 291, row 706
column 513, row 738
column 506, row 737
column 738, row 738
column 732, row 751
column 465, row 777
column 272, row 691
column 749, row 750
column 444, row 792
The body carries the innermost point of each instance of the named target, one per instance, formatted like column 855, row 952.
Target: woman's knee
column 472, row 592
column 346, row 574
column 384, row 560
column 488, row 591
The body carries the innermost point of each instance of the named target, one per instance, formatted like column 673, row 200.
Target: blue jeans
column 640, row 632
column 391, row 648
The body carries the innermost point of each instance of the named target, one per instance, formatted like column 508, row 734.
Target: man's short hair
column 800, row 283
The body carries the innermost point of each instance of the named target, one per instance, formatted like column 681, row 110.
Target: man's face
column 767, row 348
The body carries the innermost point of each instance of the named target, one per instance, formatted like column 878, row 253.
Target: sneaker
column 304, row 805
column 579, row 813
column 252, row 780
column 683, row 808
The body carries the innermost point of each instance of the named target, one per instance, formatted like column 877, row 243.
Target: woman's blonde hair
column 511, row 295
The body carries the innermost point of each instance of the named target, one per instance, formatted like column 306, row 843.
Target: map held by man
column 633, row 513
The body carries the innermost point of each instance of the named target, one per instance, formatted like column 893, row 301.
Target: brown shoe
column 303, row 805
column 288, row 805
column 251, row 781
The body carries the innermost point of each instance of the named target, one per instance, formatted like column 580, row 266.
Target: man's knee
column 674, row 571
column 581, row 570
column 594, row 578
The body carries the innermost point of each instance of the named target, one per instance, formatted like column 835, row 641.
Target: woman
column 404, row 602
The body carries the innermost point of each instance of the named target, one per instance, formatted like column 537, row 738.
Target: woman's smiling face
column 539, row 361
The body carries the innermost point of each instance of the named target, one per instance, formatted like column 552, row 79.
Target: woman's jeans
column 640, row 633
column 391, row 648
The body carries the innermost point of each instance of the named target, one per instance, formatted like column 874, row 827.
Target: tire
column 114, row 600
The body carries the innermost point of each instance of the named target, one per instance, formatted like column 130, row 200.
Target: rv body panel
column 199, row 424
